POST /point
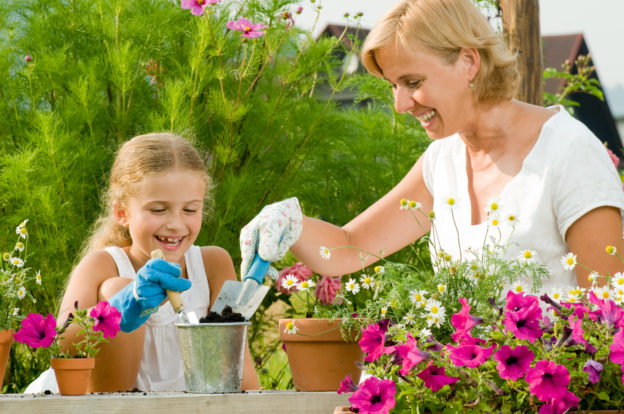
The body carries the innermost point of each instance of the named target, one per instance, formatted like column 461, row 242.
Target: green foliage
column 103, row 71
column 581, row 81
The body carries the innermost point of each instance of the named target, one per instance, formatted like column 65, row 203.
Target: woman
column 453, row 73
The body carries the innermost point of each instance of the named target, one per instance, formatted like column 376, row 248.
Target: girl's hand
column 271, row 233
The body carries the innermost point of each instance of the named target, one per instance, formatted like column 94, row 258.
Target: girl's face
column 165, row 214
column 435, row 92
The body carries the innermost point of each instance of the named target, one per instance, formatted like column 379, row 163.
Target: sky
column 600, row 21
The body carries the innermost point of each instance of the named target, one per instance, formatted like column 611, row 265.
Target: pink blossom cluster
column 299, row 271
column 522, row 319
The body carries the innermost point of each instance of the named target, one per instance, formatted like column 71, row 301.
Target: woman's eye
column 414, row 84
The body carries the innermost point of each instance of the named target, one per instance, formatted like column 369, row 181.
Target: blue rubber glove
column 142, row 297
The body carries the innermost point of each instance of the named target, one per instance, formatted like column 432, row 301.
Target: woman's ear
column 120, row 213
column 471, row 61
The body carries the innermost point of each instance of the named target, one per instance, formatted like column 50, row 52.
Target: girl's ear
column 120, row 213
column 471, row 61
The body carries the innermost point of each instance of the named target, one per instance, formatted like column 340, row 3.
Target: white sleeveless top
column 161, row 365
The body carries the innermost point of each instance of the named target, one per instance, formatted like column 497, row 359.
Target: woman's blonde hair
column 445, row 27
column 142, row 155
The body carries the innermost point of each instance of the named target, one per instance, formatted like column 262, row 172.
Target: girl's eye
column 190, row 210
column 157, row 210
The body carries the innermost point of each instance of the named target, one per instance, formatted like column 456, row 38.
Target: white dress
column 565, row 175
column 161, row 365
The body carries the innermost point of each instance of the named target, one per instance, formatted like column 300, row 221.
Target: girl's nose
column 403, row 100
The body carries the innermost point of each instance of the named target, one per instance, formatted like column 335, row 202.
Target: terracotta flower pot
column 318, row 355
column 72, row 374
column 6, row 339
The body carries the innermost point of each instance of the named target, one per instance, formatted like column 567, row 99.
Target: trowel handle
column 174, row 297
column 257, row 271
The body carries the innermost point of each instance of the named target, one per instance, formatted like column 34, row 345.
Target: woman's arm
column 219, row 268
column 381, row 229
column 587, row 238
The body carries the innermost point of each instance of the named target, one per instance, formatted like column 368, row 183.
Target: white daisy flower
column 434, row 320
column 21, row 231
column 403, row 204
column 21, row 292
column 592, row 277
column 409, row 318
column 19, row 246
column 379, row 269
column 417, row 297
column 441, row 288
column 527, row 257
column 15, row 311
column 38, row 277
column 415, row 205
column 383, row 311
column 424, row 333
column 617, row 280
column 493, row 220
column 517, row 287
column 352, row 286
column 493, row 206
column 556, row 294
column 510, row 218
column 450, row 202
column 16, row 261
column 569, row 261
column 291, row 328
column 367, row 281
column 305, row 285
column 325, row 253
column 611, row 250
column 603, row 293
column 435, row 309
column 290, row 282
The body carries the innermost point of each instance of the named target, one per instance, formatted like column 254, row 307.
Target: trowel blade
column 229, row 295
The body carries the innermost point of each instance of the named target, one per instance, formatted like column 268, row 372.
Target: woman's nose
column 403, row 100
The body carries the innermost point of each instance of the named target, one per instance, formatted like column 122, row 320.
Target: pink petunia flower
column 608, row 311
column 593, row 369
column 614, row 158
column 524, row 323
column 435, row 378
column 616, row 348
column 517, row 301
column 372, row 342
column 513, row 363
column 374, row 396
column 548, row 380
column 37, row 331
column 408, row 354
column 107, row 319
column 326, row 290
column 463, row 321
column 347, row 385
column 250, row 30
column 197, row 6
column 470, row 356
column 559, row 406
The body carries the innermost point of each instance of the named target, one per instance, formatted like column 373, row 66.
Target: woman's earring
column 471, row 84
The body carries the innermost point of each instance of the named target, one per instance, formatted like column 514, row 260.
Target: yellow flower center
column 6, row 256
column 527, row 254
column 412, row 204
column 305, row 284
column 434, row 309
column 494, row 206
column 610, row 249
column 367, row 280
column 403, row 202
column 570, row 261
column 605, row 294
column 450, row 201
column 290, row 326
column 518, row 288
column 441, row 288
column 495, row 222
column 418, row 297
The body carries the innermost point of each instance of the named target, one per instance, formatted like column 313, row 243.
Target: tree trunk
column 521, row 29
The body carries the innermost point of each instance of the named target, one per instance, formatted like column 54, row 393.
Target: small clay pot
column 72, row 374
column 6, row 339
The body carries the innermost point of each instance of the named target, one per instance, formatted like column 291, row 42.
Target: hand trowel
column 244, row 297
column 176, row 299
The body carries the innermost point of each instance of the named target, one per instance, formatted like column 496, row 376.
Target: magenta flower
column 616, row 348
column 408, row 354
column 559, row 406
column 107, row 319
column 593, row 369
column 375, row 396
column 463, row 321
column 524, row 323
column 435, row 378
column 197, row 6
column 470, row 356
column 37, row 331
column 608, row 311
column 577, row 330
column 326, row 290
column 250, row 30
column 347, row 385
column 517, row 301
column 27, row 58
column 513, row 363
column 548, row 380
column 372, row 342
column 614, row 158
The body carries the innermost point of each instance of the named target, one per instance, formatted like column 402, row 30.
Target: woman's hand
column 271, row 233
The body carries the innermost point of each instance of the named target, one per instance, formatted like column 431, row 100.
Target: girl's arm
column 219, row 268
column 381, row 229
column 589, row 236
column 117, row 364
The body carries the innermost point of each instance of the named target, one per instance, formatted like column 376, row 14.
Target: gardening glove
column 271, row 233
column 142, row 297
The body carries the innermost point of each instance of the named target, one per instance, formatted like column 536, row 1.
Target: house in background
column 593, row 112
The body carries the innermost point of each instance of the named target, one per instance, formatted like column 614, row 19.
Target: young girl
column 157, row 192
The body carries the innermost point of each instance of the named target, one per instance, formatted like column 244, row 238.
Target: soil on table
column 226, row 316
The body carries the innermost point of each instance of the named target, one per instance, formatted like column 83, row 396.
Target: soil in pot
column 228, row 315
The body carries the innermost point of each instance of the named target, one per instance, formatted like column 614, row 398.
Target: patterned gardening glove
column 271, row 233
column 142, row 297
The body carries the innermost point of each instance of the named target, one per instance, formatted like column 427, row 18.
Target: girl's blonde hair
column 445, row 27
column 142, row 155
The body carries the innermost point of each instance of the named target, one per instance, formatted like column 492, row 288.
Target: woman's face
column 435, row 92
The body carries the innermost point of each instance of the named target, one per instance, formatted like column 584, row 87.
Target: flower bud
column 27, row 58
